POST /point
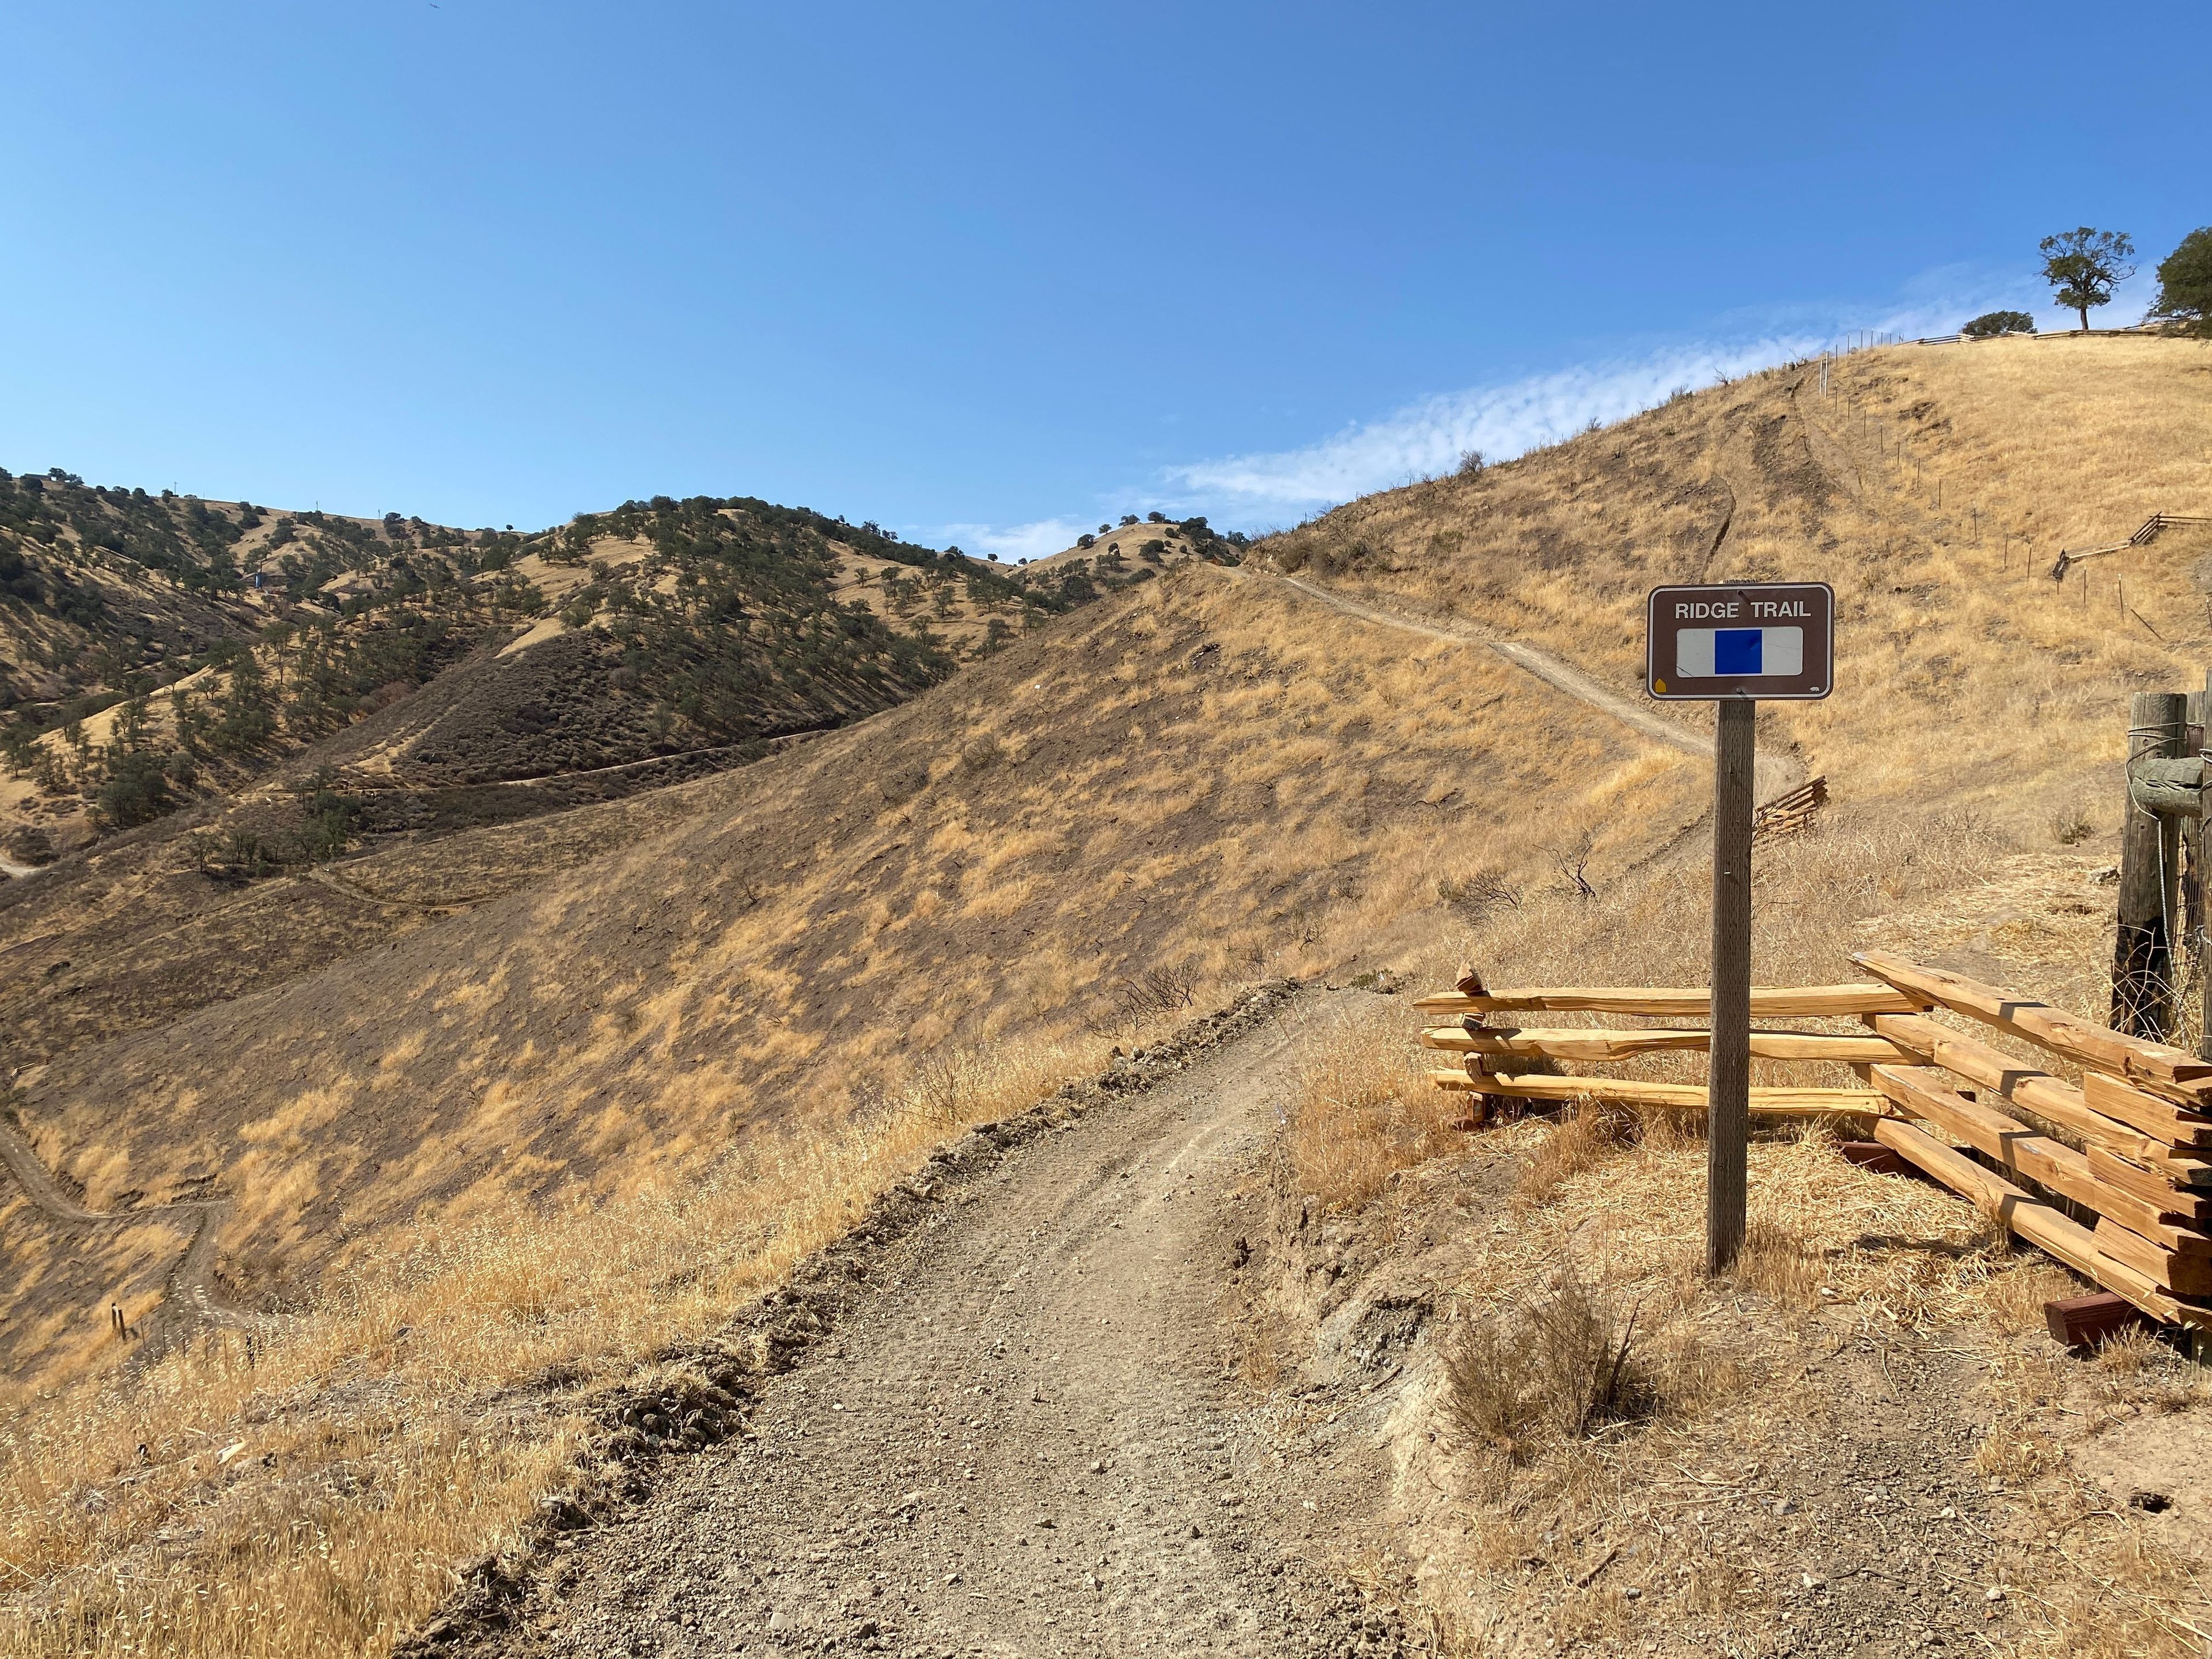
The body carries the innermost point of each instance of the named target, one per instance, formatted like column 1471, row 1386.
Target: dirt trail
column 185, row 1302
column 1024, row 1439
column 1776, row 774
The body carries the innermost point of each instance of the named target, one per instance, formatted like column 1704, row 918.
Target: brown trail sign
column 1733, row 644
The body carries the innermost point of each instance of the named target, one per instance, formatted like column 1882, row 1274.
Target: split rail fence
column 2113, row 1175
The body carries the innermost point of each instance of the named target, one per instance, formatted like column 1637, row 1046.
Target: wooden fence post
column 2200, row 887
column 2150, row 846
column 1728, row 1084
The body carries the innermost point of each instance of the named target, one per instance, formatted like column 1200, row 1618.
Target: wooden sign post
column 1733, row 646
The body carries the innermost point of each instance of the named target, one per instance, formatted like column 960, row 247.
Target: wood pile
column 1790, row 813
column 2112, row 1175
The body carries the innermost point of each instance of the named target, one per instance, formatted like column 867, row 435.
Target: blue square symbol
column 1737, row 650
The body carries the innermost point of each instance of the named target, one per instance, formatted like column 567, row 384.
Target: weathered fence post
column 2150, row 846
column 2200, row 850
column 1728, row 1096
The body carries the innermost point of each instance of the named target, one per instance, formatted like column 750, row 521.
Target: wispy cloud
column 1015, row 542
column 1430, row 437
column 1501, row 421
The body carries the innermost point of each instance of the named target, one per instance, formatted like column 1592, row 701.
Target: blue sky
column 989, row 273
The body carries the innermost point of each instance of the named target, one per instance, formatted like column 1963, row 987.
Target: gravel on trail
column 1023, row 1435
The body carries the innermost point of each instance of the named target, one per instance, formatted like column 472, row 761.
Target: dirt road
column 186, row 1303
column 1026, row 1438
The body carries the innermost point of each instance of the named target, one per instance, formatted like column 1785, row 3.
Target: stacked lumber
column 2131, row 1144
column 1790, row 813
column 2129, row 1147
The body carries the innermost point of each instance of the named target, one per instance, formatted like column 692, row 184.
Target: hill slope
column 155, row 653
column 608, row 1069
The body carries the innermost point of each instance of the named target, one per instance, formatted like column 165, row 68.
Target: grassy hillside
column 461, row 684
column 607, row 1068
column 157, row 653
column 1188, row 789
column 1933, row 488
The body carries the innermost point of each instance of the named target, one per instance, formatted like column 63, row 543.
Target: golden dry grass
column 1933, row 489
column 1363, row 1110
column 314, row 1496
column 1309, row 789
column 1618, row 1199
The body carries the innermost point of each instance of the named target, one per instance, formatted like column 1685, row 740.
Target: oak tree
column 2083, row 266
column 2185, row 284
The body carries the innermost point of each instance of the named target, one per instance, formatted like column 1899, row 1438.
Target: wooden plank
column 2183, row 1272
column 2137, row 1059
column 2162, row 1119
column 2083, row 1322
column 1592, row 1043
column 2016, row 1080
column 2182, row 1169
column 1681, row 1096
column 2179, row 1204
column 2039, row 1223
column 1767, row 1001
column 1871, row 1155
column 1925, row 1093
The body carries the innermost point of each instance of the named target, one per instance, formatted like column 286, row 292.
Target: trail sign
column 1772, row 640
column 1733, row 644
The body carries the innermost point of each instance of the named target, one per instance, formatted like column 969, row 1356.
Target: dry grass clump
column 1364, row 1109
column 1778, row 1261
column 1563, row 1364
column 1579, row 1141
column 313, row 1494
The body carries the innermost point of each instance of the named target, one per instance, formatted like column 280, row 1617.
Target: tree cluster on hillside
column 735, row 615
column 2084, row 266
column 295, row 683
column 733, row 626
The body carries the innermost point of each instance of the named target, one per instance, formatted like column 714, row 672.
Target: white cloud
column 1015, row 542
column 1503, row 420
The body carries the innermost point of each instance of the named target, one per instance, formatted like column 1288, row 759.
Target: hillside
column 160, row 652
column 1934, row 488
column 612, row 1067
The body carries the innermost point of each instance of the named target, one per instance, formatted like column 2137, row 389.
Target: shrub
column 137, row 792
column 1991, row 323
column 1562, row 1368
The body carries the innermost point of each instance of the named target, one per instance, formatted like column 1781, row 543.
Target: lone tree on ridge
column 2084, row 266
column 2185, row 284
